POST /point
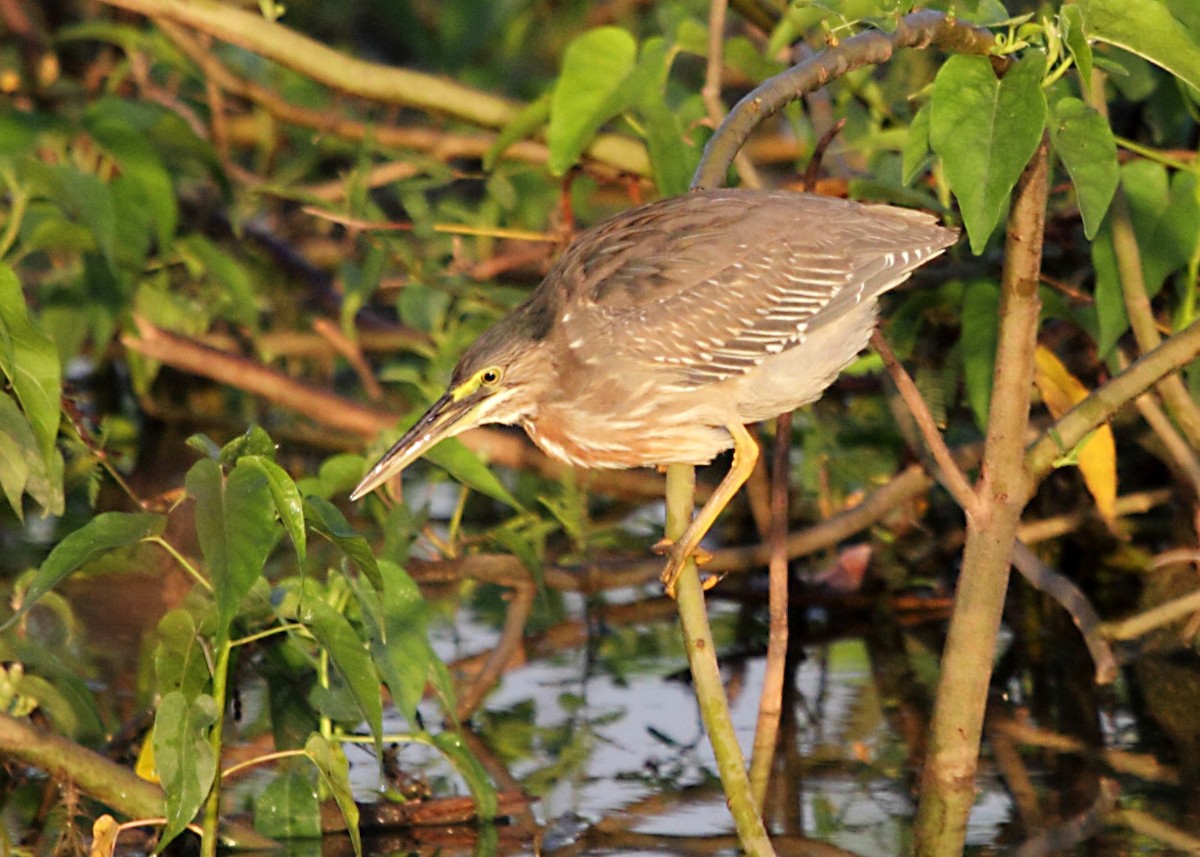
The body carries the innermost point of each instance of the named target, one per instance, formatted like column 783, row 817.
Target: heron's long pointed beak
column 445, row 418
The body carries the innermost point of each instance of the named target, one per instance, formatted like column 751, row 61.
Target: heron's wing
column 715, row 289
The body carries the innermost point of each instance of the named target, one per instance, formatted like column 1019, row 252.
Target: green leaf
column 1146, row 28
column 82, row 196
column 453, row 748
column 672, row 160
column 1084, row 142
column 186, row 765
column 335, row 771
column 103, row 533
column 253, row 441
column 985, row 131
column 980, row 317
column 1071, row 18
column 328, row 521
column 288, row 502
column 235, row 525
column 30, row 362
column 288, row 808
column 179, row 661
column 397, row 625
column 466, row 467
column 527, row 120
column 916, row 146
column 139, row 163
column 587, row 93
column 350, row 657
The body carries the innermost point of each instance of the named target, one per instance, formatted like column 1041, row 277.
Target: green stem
column 212, row 809
column 190, row 569
column 702, row 658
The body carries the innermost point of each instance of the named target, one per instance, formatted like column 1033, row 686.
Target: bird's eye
column 490, row 376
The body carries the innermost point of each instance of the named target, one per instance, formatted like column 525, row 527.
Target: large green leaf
column 985, row 130
column 350, row 657
column 30, row 362
column 235, row 525
column 1146, row 28
column 103, row 533
column 328, row 521
column 466, row 467
column 1084, row 142
column 186, row 765
column 587, row 93
column 335, row 771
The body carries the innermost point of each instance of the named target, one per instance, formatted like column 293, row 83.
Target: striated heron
column 663, row 331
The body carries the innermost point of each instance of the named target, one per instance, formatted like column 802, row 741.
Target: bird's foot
column 676, row 559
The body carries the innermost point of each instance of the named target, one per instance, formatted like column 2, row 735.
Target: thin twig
column 711, row 91
column 504, row 654
column 1072, row 599
column 949, row 473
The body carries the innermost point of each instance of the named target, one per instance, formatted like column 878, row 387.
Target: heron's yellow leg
column 745, row 456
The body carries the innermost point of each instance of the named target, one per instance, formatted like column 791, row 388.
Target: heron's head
column 498, row 380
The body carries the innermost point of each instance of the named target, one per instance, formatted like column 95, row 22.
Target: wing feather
column 714, row 289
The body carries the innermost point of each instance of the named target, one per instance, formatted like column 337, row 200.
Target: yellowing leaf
column 104, row 836
column 146, row 768
column 1096, row 455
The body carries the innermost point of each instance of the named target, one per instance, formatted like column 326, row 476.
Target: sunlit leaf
column 335, row 771
column 1146, row 28
column 186, row 765
column 103, row 533
column 288, row 808
column 1096, row 456
column 532, row 117
column 349, row 656
column 1084, row 142
column 588, row 92
column 326, row 520
column 985, row 129
column 235, row 525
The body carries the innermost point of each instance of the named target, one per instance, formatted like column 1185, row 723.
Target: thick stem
column 702, row 658
column 948, row 784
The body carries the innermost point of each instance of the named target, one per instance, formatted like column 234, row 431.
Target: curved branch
column 918, row 30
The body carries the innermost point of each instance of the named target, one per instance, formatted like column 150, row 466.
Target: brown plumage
column 661, row 332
